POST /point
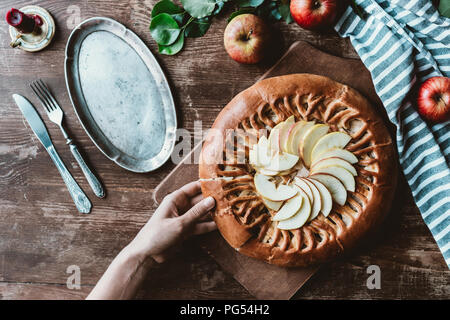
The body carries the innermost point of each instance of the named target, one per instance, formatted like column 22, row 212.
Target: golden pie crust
column 241, row 216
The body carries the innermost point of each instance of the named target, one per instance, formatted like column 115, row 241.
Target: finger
column 196, row 199
column 206, row 217
column 199, row 210
column 181, row 197
column 167, row 208
column 204, row 227
column 189, row 190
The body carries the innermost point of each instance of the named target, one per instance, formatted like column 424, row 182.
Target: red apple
column 246, row 38
column 314, row 14
column 434, row 99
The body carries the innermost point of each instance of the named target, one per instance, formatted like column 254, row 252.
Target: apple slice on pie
column 334, row 162
column 329, row 141
column 334, row 186
column 337, row 153
column 268, row 189
column 263, row 151
column 266, row 172
column 296, row 136
column 289, row 208
column 289, row 123
column 305, row 187
column 325, row 197
column 282, row 161
column 317, row 199
column 309, row 141
column 299, row 218
column 272, row 205
column 343, row 175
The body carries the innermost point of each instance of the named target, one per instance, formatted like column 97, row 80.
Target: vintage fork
column 56, row 115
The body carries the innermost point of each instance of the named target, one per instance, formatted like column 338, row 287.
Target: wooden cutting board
column 263, row 280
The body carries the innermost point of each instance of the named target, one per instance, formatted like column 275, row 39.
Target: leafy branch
column 171, row 24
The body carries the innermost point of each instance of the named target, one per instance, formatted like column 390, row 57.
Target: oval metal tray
column 120, row 94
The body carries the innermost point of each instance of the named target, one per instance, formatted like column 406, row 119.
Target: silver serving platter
column 120, row 94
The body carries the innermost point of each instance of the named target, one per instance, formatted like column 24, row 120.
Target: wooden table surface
column 41, row 233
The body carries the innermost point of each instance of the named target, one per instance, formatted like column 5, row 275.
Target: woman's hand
column 181, row 214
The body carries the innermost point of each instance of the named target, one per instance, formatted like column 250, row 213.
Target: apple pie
column 301, row 167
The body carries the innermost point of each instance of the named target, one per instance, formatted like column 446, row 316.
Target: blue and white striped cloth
column 403, row 43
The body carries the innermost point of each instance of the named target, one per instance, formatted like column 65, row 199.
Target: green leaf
column 179, row 17
column 269, row 10
column 197, row 28
column 174, row 48
column 166, row 6
column 164, row 29
column 249, row 3
column 444, row 8
column 199, row 8
column 285, row 13
column 275, row 14
column 239, row 12
column 219, row 7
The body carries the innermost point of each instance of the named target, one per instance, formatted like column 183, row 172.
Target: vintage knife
column 37, row 125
